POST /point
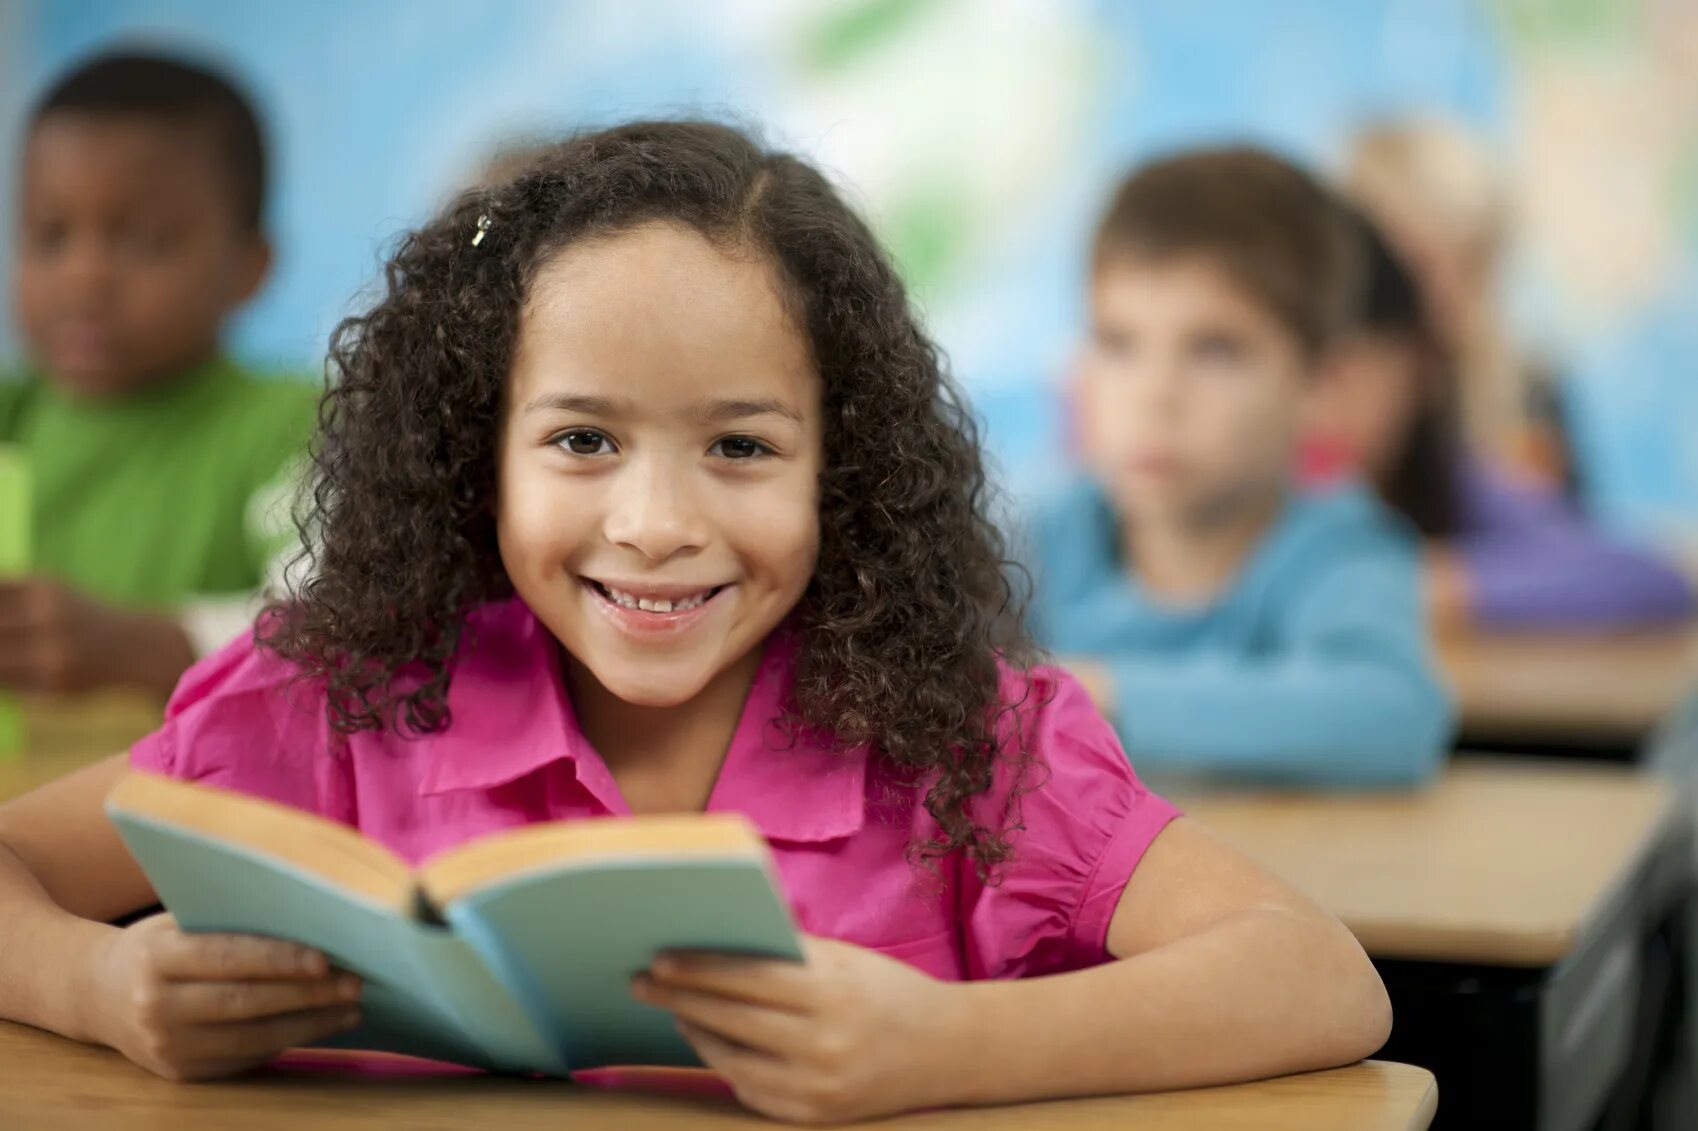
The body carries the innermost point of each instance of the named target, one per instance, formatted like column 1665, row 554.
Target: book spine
column 477, row 932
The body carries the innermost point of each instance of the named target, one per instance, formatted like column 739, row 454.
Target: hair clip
column 483, row 227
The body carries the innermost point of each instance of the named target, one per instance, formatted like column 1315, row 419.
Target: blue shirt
column 1311, row 668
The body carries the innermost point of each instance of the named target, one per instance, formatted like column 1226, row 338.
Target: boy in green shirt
column 156, row 462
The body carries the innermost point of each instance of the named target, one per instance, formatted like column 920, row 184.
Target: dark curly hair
column 912, row 602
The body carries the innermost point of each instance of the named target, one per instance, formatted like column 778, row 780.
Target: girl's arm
column 1226, row 973
column 63, row 871
column 1223, row 973
column 182, row 1006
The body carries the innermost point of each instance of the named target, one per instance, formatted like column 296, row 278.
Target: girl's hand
column 192, row 1007
column 845, row 1034
column 1095, row 677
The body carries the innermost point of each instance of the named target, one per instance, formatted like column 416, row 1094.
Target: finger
column 35, row 662
column 14, row 599
column 254, row 1041
column 205, row 1002
column 26, row 602
column 21, row 672
column 747, row 1071
column 237, row 958
column 759, row 981
column 754, row 1026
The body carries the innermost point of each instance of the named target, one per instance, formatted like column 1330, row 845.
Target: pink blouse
column 839, row 824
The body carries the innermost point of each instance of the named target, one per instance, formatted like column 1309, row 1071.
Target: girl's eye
column 740, row 447
column 585, row 442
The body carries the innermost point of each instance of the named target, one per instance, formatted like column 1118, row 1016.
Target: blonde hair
column 1434, row 176
column 1434, row 166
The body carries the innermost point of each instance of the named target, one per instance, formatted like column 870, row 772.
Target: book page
column 331, row 852
column 585, row 843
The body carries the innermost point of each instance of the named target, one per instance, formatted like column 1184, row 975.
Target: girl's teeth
column 647, row 605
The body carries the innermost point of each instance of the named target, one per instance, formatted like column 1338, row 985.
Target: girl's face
column 659, row 460
column 1370, row 398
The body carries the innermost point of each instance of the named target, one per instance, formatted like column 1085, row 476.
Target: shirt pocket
column 936, row 954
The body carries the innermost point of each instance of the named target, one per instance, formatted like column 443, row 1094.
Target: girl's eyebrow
column 572, row 402
column 720, row 412
column 712, row 412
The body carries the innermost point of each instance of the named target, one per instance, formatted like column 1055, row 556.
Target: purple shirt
column 839, row 823
column 1533, row 561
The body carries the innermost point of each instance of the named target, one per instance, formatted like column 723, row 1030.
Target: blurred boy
column 1227, row 624
column 154, row 458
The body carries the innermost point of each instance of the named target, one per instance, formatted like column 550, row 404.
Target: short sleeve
column 242, row 719
column 1080, row 823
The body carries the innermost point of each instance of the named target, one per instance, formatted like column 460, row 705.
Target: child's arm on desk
column 1224, row 973
column 54, row 639
column 182, row 1006
column 1345, row 695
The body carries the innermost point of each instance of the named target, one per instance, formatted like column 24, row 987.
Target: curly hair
column 911, row 604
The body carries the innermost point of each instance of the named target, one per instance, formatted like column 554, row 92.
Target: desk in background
column 50, row 1082
column 1564, row 693
column 1510, row 909
column 66, row 734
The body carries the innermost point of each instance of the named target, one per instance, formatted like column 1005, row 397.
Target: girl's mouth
column 663, row 612
column 655, row 604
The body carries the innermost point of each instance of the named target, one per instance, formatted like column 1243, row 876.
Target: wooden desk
column 1550, row 687
column 1499, row 863
column 1510, row 909
column 65, row 734
column 49, row 1082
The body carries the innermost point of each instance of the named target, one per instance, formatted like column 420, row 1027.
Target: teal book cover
column 513, row 953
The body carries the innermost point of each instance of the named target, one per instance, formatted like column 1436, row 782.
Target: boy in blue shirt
column 1228, row 624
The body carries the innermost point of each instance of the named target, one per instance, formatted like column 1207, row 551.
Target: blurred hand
column 53, row 639
column 194, row 1007
column 846, row 1034
column 1445, row 581
column 1095, row 678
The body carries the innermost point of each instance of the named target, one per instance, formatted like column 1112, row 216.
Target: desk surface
column 52, row 1082
column 1551, row 686
column 1503, row 863
column 61, row 735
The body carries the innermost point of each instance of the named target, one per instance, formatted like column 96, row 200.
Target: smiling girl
column 642, row 491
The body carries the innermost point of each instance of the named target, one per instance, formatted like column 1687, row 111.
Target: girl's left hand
column 845, row 1034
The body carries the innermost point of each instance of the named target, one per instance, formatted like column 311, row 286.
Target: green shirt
column 164, row 495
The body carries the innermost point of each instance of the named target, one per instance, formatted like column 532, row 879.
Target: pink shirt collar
column 512, row 717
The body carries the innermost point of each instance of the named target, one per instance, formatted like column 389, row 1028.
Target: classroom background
column 982, row 136
column 1531, row 901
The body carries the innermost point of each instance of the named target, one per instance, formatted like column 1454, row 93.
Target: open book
column 513, row 952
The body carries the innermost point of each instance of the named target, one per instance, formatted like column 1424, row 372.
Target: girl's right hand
column 193, row 1007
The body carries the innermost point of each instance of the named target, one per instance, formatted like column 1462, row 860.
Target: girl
column 1504, row 551
column 642, row 491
